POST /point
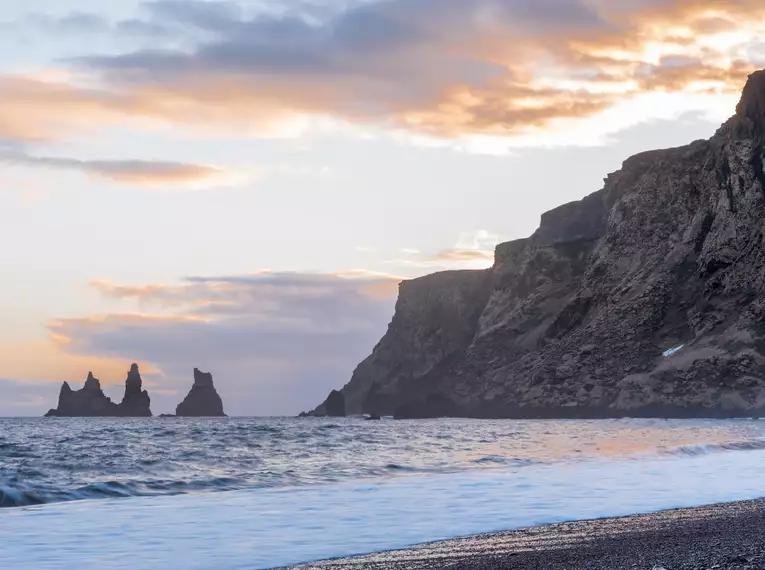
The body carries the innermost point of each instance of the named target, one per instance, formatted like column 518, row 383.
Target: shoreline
column 722, row 536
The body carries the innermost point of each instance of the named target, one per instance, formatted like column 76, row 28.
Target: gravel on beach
column 729, row 536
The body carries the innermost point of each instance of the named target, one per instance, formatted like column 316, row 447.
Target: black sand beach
column 719, row 537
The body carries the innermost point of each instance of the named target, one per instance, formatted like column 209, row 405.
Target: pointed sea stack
column 203, row 400
column 135, row 403
column 90, row 401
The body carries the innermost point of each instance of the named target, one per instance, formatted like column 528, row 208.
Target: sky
column 239, row 186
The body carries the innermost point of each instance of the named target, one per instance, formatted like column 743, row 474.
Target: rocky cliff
column 90, row 401
column 202, row 399
column 646, row 298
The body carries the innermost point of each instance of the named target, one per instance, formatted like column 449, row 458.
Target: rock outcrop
column 576, row 320
column 334, row 406
column 90, row 401
column 203, row 399
column 136, row 402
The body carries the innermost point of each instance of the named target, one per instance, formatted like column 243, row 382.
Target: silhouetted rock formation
column 335, row 405
column 203, row 399
column 582, row 319
column 135, row 403
column 90, row 401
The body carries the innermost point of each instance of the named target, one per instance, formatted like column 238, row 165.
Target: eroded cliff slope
column 575, row 321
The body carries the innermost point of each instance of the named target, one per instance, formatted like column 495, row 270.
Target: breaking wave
column 705, row 449
column 46, row 461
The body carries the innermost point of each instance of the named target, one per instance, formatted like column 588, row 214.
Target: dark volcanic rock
column 335, row 405
column 90, row 401
column 203, row 399
column 575, row 321
column 135, row 403
column 432, row 406
column 436, row 318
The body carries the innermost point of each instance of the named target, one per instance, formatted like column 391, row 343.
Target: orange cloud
column 43, row 361
column 459, row 255
column 150, row 172
column 261, row 293
column 132, row 172
column 480, row 68
column 37, row 110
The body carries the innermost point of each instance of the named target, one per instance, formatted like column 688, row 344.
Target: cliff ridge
column 645, row 298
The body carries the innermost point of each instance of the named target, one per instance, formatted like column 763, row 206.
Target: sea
column 250, row 493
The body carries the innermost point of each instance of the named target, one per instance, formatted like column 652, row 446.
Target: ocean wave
column 78, row 459
column 706, row 449
column 505, row 461
column 25, row 495
column 396, row 467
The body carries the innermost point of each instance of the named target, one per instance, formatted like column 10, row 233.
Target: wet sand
column 719, row 537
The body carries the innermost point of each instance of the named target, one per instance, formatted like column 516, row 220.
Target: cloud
column 276, row 343
column 447, row 259
column 132, row 172
column 443, row 68
column 24, row 398
column 460, row 255
column 473, row 250
column 440, row 68
column 46, row 109
column 447, row 69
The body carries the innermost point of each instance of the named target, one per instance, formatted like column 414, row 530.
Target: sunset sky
column 240, row 186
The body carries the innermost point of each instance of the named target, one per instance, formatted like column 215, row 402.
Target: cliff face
column 575, row 321
column 435, row 319
column 203, row 399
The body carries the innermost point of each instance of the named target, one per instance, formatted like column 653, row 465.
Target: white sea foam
column 262, row 528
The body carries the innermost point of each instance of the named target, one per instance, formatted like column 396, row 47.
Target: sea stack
column 90, row 401
column 136, row 402
column 203, row 400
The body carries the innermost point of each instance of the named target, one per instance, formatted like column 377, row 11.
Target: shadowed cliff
column 646, row 298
